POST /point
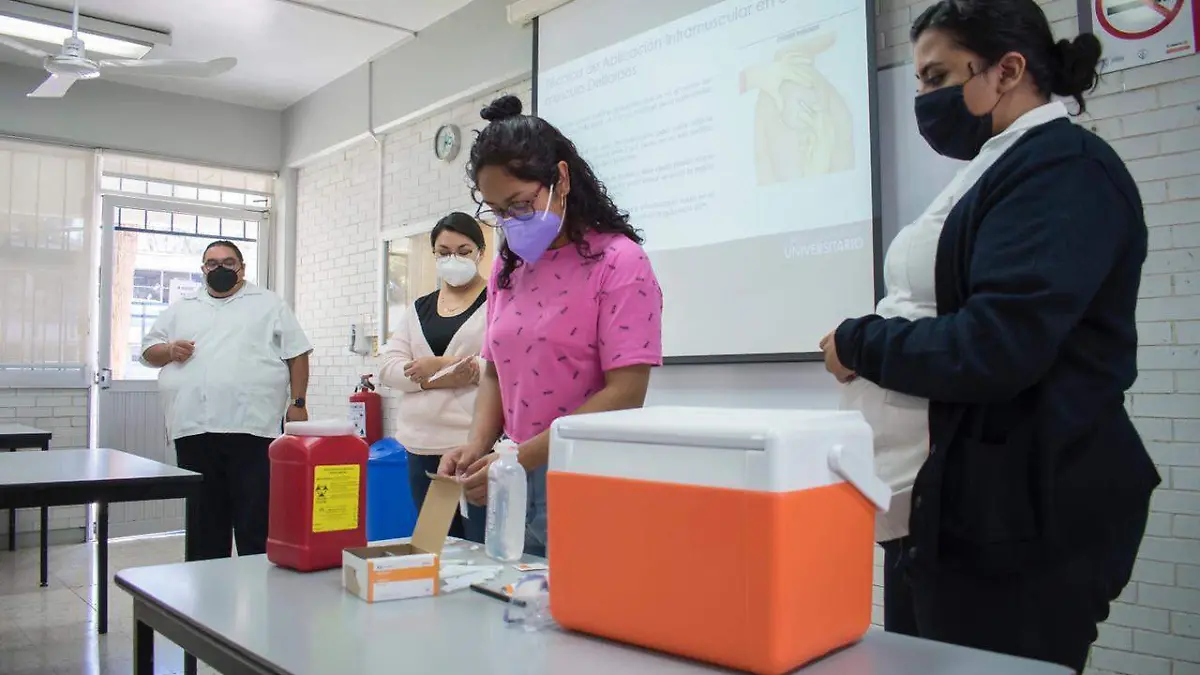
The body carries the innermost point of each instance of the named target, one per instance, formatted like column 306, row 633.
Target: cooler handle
column 857, row 470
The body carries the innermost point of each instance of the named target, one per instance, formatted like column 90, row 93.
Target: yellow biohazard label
column 335, row 497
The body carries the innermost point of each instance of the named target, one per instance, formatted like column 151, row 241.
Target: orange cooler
column 743, row 538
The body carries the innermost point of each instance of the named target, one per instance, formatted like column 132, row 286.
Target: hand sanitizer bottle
column 505, row 531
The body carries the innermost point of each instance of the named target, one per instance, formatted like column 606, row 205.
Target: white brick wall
column 337, row 238
column 1152, row 117
column 64, row 413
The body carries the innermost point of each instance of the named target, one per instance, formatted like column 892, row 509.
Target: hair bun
column 502, row 109
column 1078, row 60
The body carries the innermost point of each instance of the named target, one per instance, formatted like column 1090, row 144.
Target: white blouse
column 900, row 422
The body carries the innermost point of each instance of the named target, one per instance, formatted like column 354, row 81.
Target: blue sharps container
column 391, row 513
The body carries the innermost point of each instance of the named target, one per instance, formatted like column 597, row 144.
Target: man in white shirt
column 229, row 356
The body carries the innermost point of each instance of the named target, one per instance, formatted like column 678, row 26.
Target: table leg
column 189, row 661
column 102, row 569
column 45, row 535
column 12, row 524
column 45, row 546
column 143, row 649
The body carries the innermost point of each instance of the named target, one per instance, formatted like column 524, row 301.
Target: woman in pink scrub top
column 574, row 312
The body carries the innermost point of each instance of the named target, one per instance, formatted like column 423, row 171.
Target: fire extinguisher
column 366, row 410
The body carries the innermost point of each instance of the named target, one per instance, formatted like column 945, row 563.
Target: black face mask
column 221, row 279
column 949, row 126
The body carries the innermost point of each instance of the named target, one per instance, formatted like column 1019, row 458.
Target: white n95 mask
column 456, row 270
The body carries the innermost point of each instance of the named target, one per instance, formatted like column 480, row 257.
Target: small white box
column 399, row 571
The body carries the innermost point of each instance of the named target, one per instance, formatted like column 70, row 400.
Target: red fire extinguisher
column 366, row 410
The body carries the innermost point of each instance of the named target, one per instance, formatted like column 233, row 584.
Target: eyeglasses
column 522, row 210
column 228, row 263
column 442, row 255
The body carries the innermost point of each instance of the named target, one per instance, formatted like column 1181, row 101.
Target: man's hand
column 422, row 369
column 181, row 350
column 295, row 414
column 832, row 363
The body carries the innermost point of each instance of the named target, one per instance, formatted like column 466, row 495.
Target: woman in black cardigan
column 1028, row 513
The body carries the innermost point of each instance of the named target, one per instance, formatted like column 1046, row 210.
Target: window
column 163, row 215
column 410, row 271
column 47, row 198
column 130, row 175
column 156, row 259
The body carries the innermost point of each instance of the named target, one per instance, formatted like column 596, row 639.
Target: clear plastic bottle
column 505, row 534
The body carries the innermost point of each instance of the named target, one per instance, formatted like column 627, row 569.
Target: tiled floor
column 52, row 630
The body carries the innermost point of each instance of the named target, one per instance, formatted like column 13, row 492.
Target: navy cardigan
column 1027, row 363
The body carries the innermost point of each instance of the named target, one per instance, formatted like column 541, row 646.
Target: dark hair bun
column 502, row 109
column 1078, row 60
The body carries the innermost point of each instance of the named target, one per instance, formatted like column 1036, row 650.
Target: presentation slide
column 738, row 138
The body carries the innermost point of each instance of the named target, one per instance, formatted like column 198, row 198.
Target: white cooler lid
column 745, row 429
column 762, row 450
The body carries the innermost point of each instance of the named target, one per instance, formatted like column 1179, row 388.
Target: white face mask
column 456, row 270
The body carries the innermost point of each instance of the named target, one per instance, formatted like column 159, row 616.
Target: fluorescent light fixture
column 49, row 27
column 34, row 31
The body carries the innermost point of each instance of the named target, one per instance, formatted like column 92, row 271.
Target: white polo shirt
column 236, row 381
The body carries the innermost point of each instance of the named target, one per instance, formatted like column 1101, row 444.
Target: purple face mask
column 530, row 239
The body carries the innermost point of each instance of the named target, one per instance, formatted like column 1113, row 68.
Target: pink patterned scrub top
column 563, row 322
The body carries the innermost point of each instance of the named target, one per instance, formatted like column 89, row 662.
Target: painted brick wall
column 337, row 238
column 1151, row 115
column 64, row 413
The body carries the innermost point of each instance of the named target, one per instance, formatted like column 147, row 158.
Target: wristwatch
column 298, row 403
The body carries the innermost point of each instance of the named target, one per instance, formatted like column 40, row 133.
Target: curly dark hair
column 530, row 148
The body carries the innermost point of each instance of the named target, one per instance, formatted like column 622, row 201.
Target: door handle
column 104, row 378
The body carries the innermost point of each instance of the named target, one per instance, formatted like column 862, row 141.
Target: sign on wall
column 1140, row 32
column 179, row 287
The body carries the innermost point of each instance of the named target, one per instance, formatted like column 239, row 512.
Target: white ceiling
column 284, row 51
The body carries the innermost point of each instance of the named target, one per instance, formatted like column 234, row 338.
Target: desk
column 75, row 477
column 15, row 437
column 245, row 616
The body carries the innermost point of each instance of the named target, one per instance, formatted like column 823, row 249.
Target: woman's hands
column 420, row 370
column 469, row 464
column 832, row 363
column 465, row 375
column 475, row 485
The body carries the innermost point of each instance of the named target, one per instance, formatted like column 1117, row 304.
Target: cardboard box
column 399, row 571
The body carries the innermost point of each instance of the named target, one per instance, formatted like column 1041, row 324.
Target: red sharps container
column 318, row 495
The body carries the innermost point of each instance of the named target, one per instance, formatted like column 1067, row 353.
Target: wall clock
column 446, row 142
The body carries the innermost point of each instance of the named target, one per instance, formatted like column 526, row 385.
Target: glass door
column 151, row 255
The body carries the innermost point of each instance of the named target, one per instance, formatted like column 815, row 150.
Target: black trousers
column 899, row 615
column 235, row 497
column 1048, row 613
column 471, row 529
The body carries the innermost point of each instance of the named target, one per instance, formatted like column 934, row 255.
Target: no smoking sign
column 1136, row 19
column 1140, row 32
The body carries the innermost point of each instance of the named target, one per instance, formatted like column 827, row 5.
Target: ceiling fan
column 72, row 64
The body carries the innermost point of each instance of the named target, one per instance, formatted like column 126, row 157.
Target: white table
column 102, row 476
column 246, row 616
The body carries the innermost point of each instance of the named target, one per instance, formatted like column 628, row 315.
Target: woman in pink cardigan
column 437, row 331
